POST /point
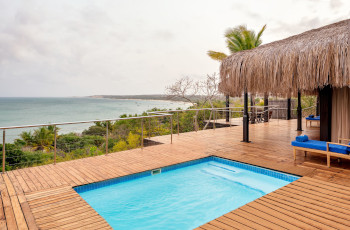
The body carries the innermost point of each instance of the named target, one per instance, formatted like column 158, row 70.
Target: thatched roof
column 306, row 61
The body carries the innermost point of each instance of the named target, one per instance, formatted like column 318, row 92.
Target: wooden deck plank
column 297, row 216
column 241, row 219
column 9, row 214
column 272, row 213
column 27, row 180
column 219, row 225
column 232, row 223
column 333, row 206
column 307, row 213
column 62, row 208
column 2, row 216
column 20, row 220
column 263, row 216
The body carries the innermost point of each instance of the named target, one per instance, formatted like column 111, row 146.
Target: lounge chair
column 312, row 118
column 330, row 149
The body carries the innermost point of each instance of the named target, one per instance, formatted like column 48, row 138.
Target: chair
column 330, row 149
column 312, row 118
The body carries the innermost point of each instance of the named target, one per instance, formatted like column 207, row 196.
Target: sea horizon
column 22, row 111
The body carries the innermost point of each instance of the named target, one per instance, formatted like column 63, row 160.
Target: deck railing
column 50, row 148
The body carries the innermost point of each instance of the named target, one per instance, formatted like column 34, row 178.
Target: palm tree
column 237, row 39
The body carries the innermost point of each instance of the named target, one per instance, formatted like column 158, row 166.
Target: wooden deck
column 42, row 197
column 304, row 204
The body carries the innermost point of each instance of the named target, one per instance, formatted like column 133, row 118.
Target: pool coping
column 254, row 168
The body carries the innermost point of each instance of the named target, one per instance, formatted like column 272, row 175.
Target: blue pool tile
column 257, row 169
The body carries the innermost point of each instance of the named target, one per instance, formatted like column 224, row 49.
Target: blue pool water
column 181, row 198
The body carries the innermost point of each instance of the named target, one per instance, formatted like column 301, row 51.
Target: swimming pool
column 182, row 196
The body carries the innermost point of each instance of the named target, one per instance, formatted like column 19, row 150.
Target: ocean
column 29, row 111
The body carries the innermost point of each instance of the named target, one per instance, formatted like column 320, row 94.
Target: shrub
column 95, row 131
column 14, row 156
column 120, row 146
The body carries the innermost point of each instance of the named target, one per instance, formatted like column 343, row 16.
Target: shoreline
column 131, row 99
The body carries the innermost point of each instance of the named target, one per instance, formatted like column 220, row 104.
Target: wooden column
column 326, row 113
column 300, row 128
column 318, row 104
column 245, row 119
column 227, row 108
column 289, row 109
column 266, row 107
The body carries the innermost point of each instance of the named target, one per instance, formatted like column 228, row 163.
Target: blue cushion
column 313, row 118
column 302, row 138
column 321, row 145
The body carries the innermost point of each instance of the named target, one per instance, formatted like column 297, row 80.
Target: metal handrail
column 79, row 122
column 82, row 122
column 307, row 107
column 152, row 114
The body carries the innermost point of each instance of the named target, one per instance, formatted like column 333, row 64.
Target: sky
column 123, row 47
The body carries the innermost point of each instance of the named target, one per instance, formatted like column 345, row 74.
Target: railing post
column 149, row 128
column 141, row 133
column 171, row 124
column 55, row 146
column 106, row 137
column 3, row 151
column 178, row 124
column 214, row 117
column 230, row 116
column 195, row 123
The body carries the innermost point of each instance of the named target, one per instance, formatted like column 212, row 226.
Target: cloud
column 304, row 24
column 65, row 48
column 164, row 35
column 336, row 4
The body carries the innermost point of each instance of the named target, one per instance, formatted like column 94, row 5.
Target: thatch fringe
column 304, row 62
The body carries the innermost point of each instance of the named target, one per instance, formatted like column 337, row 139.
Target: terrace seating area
column 330, row 149
column 42, row 197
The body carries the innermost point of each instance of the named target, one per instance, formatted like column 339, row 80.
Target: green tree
column 120, row 146
column 95, row 130
column 237, row 39
column 133, row 140
column 41, row 139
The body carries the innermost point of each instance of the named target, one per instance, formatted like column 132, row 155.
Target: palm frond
column 218, row 56
column 258, row 38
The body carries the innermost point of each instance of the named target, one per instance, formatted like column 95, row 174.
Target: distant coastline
column 149, row 97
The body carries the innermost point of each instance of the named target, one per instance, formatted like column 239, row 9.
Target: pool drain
column 156, row 171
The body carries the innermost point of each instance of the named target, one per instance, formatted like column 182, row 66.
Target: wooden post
column 266, row 107
column 227, row 108
column 326, row 113
column 245, row 119
column 299, row 128
column 289, row 108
